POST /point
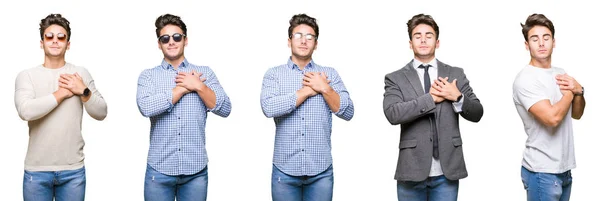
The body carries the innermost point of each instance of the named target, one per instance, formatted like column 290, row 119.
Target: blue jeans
column 437, row 188
column 66, row 185
column 161, row 187
column 302, row 188
column 546, row 186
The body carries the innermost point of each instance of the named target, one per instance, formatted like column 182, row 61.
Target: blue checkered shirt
column 177, row 143
column 303, row 133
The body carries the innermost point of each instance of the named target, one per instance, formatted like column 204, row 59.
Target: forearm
column 96, row 106
column 36, row 108
column 208, row 96
column 332, row 99
column 578, row 106
column 155, row 104
column 398, row 111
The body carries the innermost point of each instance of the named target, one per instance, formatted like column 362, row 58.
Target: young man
column 51, row 97
column 177, row 96
column 546, row 99
column 301, row 96
column 425, row 97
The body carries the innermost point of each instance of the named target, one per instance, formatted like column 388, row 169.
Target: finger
column 77, row 75
column 202, row 79
column 62, row 85
column 445, row 81
column 438, row 82
column 435, row 92
column 454, row 82
column 179, row 80
column 64, row 76
column 180, row 77
column 308, row 79
column 63, row 81
column 437, row 87
column 182, row 73
column 180, row 85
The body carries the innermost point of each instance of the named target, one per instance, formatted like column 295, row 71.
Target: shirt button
column 178, row 133
column 178, row 117
column 179, row 149
column 302, row 118
column 302, row 134
column 302, row 149
column 431, row 140
column 422, row 110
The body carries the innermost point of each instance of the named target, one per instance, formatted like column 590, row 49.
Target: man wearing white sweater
column 51, row 97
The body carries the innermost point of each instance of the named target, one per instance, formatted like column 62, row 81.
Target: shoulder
column 400, row 71
column 276, row 69
column 453, row 69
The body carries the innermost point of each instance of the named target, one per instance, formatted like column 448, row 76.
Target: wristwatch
column 86, row 92
column 580, row 94
column 459, row 97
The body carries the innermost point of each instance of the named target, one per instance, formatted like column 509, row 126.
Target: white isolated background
column 240, row 40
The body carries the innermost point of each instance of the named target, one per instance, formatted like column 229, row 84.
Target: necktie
column 427, row 85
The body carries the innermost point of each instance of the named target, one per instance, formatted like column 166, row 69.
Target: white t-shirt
column 547, row 149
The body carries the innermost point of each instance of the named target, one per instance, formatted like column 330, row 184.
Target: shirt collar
column 167, row 65
column 292, row 65
column 432, row 63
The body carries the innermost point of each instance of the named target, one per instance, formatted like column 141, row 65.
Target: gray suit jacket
column 406, row 103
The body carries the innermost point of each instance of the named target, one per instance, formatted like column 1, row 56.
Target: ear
column 527, row 46
column 437, row 44
column 553, row 43
column 186, row 41
column 159, row 45
column 410, row 44
column 316, row 44
column 289, row 42
column 68, row 45
column 41, row 44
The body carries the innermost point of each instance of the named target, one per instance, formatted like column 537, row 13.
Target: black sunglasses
column 176, row 37
column 60, row 36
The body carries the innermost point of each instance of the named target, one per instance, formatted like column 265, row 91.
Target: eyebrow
column 419, row 33
column 539, row 36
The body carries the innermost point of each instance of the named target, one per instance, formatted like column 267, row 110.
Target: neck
column 425, row 59
column 541, row 63
column 301, row 62
column 175, row 62
column 54, row 62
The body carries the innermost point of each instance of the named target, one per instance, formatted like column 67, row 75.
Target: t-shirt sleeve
column 528, row 92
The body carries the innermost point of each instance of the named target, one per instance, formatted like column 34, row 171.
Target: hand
column 317, row 81
column 191, row 81
column 180, row 90
column 72, row 82
column 436, row 99
column 445, row 89
column 309, row 92
column 65, row 93
column 566, row 82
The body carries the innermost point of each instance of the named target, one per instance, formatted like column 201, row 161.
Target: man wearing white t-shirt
column 545, row 97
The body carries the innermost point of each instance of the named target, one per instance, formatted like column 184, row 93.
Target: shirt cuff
column 458, row 105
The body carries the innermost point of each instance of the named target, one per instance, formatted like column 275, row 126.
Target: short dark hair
column 303, row 19
column 422, row 19
column 168, row 19
column 536, row 20
column 55, row 19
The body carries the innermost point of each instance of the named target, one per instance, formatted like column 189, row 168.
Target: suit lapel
column 413, row 78
column 443, row 71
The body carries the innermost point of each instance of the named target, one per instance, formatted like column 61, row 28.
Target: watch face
column 86, row 92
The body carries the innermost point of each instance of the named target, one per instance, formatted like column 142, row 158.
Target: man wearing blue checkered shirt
column 177, row 96
column 300, row 96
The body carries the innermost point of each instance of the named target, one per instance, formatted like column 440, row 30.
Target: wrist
column 579, row 92
column 458, row 98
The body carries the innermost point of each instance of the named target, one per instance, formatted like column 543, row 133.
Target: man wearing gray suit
column 425, row 97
